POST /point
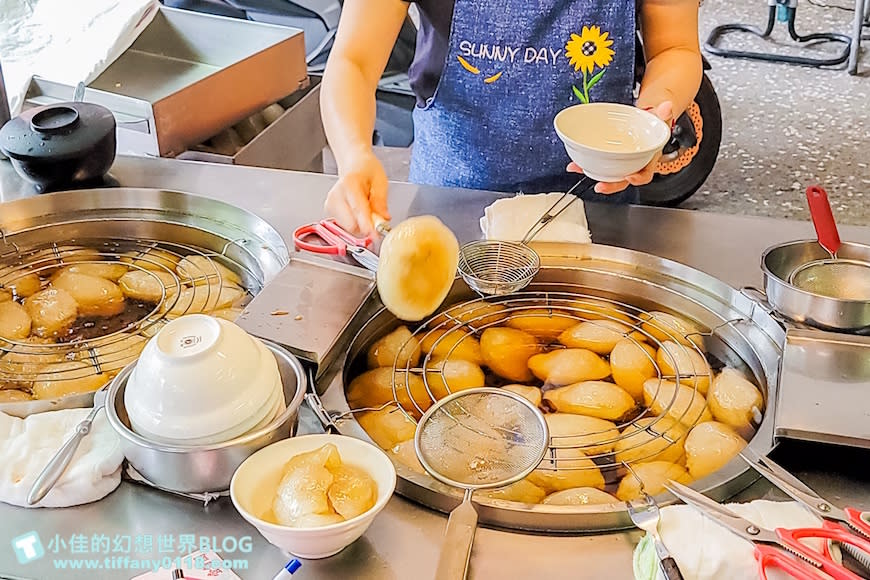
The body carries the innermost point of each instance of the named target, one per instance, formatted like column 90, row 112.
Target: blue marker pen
column 288, row 570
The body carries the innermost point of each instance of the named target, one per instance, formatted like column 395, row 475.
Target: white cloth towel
column 704, row 550
column 27, row 445
column 509, row 219
column 66, row 41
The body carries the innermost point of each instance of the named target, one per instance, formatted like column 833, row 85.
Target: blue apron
column 511, row 66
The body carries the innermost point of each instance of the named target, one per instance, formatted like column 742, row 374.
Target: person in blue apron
column 489, row 77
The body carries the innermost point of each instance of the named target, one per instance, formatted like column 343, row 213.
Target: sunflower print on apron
column 510, row 67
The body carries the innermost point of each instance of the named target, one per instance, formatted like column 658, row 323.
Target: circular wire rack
column 641, row 435
column 82, row 356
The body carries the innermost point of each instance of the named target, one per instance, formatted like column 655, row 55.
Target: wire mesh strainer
column 837, row 278
column 477, row 439
column 833, row 277
column 497, row 267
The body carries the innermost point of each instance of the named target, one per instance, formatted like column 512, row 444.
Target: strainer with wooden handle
column 477, row 439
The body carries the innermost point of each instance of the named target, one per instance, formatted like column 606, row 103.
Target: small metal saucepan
column 780, row 261
column 61, row 146
column 204, row 468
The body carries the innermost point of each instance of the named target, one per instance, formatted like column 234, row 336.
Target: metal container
column 823, row 388
column 295, row 141
column 778, row 262
column 204, row 468
column 131, row 218
column 188, row 76
column 738, row 334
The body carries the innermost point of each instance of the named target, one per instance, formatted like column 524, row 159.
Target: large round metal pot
column 114, row 220
column 204, row 468
column 61, row 146
column 778, row 263
column 739, row 334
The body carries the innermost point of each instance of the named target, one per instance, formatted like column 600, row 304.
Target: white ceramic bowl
column 610, row 140
column 255, row 483
column 201, row 377
column 266, row 415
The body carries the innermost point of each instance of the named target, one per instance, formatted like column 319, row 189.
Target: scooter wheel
column 671, row 189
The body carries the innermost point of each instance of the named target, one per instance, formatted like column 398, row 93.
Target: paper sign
column 196, row 566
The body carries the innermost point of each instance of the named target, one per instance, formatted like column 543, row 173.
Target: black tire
column 675, row 188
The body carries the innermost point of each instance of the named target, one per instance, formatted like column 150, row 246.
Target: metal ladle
column 842, row 278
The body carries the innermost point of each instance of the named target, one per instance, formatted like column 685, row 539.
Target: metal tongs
column 316, row 405
column 645, row 514
column 833, row 517
column 558, row 207
column 55, row 468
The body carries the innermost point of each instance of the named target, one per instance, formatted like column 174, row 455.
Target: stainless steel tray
column 295, row 141
column 187, row 77
column 313, row 307
column 823, row 388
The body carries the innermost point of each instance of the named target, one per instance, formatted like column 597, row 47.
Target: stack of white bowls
column 203, row 381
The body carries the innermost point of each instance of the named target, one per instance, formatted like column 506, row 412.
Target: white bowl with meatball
column 267, row 491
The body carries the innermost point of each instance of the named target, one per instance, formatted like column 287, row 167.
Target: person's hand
column 360, row 190
column 665, row 112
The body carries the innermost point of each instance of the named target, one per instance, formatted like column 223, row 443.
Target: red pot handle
column 823, row 218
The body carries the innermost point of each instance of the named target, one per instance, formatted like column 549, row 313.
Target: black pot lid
column 55, row 132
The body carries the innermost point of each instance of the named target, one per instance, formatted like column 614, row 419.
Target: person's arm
column 673, row 55
column 673, row 69
column 366, row 34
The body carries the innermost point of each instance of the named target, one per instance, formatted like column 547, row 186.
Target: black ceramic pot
column 61, row 146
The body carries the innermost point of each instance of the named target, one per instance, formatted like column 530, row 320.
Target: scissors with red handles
column 848, row 518
column 327, row 237
column 773, row 548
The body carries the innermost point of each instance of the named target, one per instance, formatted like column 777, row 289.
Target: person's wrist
column 652, row 109
column 353, row 157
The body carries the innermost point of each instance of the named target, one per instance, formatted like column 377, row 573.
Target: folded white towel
column 509, row 219
column 704, row 550
column 27, row 445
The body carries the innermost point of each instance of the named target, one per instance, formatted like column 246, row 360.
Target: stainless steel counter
column 405, row 539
